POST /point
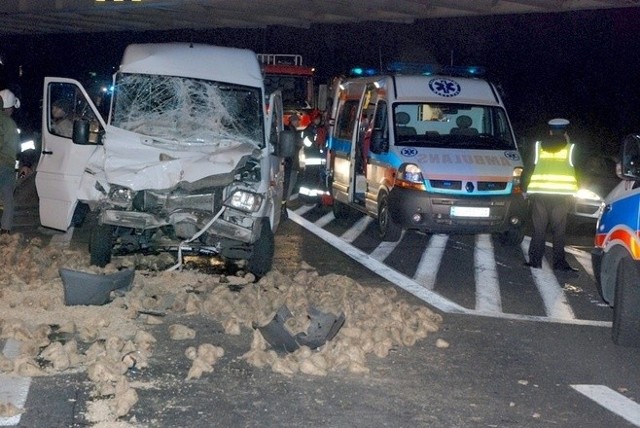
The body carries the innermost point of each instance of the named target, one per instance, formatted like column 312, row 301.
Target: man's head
column 294, row 120
column 60, row 108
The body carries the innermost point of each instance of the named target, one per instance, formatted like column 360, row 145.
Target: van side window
column 66, row 104
column 346, row 119
column 380, row 120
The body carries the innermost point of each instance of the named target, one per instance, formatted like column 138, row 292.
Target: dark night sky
column 579, row 65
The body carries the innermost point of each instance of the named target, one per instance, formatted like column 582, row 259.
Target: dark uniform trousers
column 548, row 211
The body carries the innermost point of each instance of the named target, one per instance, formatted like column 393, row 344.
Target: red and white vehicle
column 295, row 80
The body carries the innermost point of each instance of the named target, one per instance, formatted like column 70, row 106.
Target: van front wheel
column 101, row 244
column 388, row 230
column 261, row 259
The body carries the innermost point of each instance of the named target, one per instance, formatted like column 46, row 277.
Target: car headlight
column 245, row 201
column 120, row 196
column 588, row 195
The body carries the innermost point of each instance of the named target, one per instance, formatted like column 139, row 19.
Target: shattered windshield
column 446, row 125
column 187, row 111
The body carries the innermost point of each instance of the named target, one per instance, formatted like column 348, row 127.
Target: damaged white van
column 435, row 153
column 190, row 158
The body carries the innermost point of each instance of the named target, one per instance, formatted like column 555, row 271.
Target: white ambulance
column 435, row 153
column 190, row 158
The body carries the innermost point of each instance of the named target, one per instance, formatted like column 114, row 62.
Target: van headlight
column 244, row 201
column 120, row 196
column 410, row 176
column 516, row 180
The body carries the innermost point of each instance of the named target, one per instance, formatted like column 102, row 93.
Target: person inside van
column 61, row 124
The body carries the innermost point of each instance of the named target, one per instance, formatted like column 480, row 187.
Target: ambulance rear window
column 448, row 125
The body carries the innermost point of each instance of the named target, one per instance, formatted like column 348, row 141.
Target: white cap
column 8, row 99
column 558, row 123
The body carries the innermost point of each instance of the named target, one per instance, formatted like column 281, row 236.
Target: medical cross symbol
column 444, row 87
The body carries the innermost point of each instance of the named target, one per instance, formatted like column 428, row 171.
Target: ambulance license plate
column 469, row 212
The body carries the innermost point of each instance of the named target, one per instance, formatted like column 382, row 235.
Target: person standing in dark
column 551, row 188
column 291, row 165
column 313, row 140
column 9, row 148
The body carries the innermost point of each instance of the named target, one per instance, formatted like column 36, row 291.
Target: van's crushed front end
column 183, row 159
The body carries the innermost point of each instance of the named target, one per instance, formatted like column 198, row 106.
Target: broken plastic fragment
column 322, row 328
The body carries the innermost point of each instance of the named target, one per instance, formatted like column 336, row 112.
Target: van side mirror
column 379, row 143
column 629, row 166
column 80, row 134
column 286, row 144
column 83, row 135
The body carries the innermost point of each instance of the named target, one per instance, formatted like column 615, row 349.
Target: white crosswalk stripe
column 430, row 261
column 487, row 284
column 13, row 389
column 555, row 301
column 359, row 227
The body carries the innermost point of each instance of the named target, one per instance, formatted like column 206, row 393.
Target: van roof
column 193, row 60
column 436, row 88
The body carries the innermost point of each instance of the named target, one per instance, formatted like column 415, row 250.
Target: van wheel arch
column 609, row 272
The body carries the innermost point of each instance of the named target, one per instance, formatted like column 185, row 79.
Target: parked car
column 596, row 179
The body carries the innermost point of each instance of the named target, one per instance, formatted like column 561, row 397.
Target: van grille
column 483, row 186
column 446, row 184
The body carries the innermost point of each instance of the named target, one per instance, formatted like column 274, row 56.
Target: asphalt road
column 497, row 372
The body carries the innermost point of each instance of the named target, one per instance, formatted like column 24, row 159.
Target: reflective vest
column 553, row 172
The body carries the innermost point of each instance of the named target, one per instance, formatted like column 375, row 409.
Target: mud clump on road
column 107, row 341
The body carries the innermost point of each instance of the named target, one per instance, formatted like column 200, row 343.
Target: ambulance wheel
column 261, row 259
column 101, row 244
column 512, row 237
column 626, row 306
column 340, row 210
column 388, row 230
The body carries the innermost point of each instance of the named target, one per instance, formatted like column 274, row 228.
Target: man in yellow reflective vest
column 552, row 186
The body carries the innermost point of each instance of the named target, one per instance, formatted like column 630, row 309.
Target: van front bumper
column 438, row 213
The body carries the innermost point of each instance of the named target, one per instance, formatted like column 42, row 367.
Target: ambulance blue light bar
column 360, row 71
column 422, row 69
column 413, row 68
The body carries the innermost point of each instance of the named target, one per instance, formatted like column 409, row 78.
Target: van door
column 275, row 125
column 345, row 134
column 63, row 162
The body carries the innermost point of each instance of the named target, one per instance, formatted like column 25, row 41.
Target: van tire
column 340, row 210
column 261, row 259
column 101, row 245
column 512, row 237
column 388, row 230
column 626, row 306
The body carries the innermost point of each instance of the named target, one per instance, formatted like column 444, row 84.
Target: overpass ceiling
column 31, row 17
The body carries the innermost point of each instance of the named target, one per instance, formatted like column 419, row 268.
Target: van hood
column 140, row 162
column 463, row 164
